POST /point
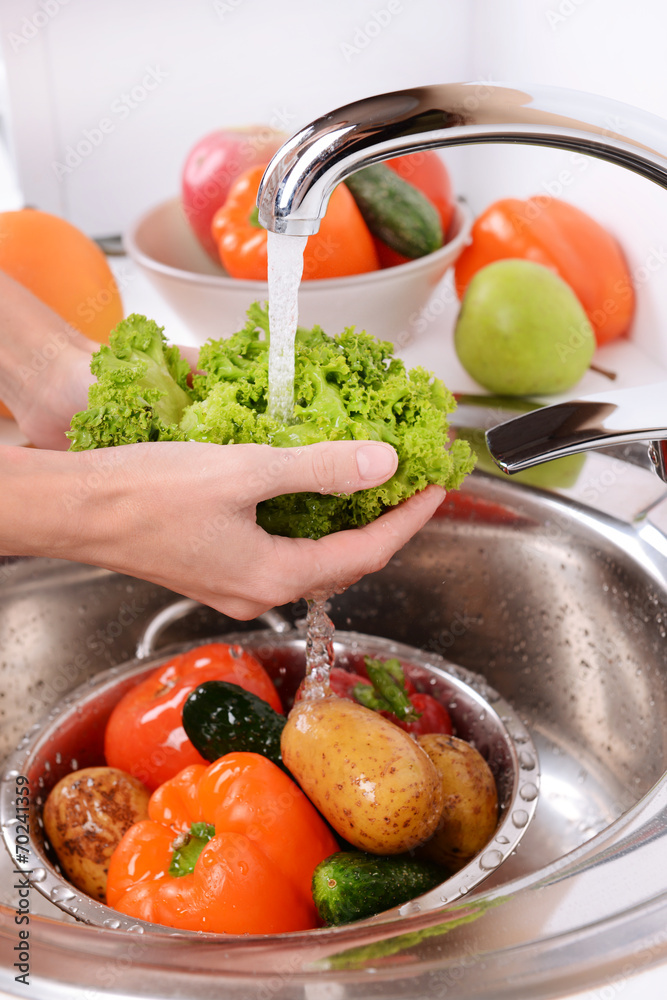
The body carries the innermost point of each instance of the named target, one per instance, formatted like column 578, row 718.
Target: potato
column 470, row 801
column 371, row 781
column 85, row 816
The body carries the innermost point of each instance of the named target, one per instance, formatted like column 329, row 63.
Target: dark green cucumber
column 395, row 211
column 220, row 718
column 353, row 885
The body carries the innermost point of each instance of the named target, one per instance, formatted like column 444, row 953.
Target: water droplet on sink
column 528, row 792
column 502, row 839
column 490, row 860
column 112, row 923
column 38, row 875
column 10, row 775
column 520, row 818
column 60, row 894
column 526, row 760
column 408, row 908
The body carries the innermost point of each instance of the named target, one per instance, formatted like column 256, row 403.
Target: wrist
column 28, row 521
column 53, row 504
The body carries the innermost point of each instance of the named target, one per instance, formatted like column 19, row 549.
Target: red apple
column 212, row 166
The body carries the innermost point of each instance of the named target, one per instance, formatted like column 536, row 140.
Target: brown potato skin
column 377, row 788
column 85, row 816
column 470, row 801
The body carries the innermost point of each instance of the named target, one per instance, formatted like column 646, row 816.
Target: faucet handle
column 597, row 421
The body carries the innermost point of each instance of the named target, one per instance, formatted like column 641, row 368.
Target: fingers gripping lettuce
column 346, row 387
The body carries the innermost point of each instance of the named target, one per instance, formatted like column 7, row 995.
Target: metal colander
column 72, row 737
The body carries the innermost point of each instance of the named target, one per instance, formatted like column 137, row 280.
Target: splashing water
column 285, row 255
column 319, row 650
column 285, row 268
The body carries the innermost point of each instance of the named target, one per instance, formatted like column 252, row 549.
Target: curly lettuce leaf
column 346, row 387
column 141, row 390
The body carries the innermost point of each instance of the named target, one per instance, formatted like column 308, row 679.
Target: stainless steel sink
column 558, row 596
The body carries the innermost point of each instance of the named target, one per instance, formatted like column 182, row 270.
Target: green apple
column 522, row 331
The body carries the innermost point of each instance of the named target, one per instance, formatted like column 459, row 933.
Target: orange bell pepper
column 559, row 236
column 229, row 849
column 343, row 245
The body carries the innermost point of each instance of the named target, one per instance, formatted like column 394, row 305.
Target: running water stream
column 285, row 254
column 285, row 268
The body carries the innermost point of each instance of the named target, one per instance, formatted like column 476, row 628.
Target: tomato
column 145, row 736
column 429, row 174
column 212, row 166
column 559, row 236
column 433, row 716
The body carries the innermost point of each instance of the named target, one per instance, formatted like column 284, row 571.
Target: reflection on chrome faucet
column 298, row 181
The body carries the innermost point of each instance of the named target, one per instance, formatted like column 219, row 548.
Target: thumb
column 327, row 467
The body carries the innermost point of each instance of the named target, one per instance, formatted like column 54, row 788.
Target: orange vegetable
column 559, row 236
column 343, row 245
column 250, row 843
column 63, row 268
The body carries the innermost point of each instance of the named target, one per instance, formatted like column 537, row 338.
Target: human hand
column 182, row 515
column 44, row 366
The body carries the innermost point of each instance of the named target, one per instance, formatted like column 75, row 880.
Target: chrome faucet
column 298, row 181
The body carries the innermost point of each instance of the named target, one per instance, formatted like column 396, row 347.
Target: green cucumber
column 353, row 885
column 395, row 211
column 220, row 718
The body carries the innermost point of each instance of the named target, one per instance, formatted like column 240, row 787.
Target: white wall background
column 161, row 73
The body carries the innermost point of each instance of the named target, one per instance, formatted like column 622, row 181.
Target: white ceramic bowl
column 384, row 302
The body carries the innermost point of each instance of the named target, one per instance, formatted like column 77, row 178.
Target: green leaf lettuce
column 346, row 387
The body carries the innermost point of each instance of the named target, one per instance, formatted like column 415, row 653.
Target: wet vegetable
column 377, row 788
column 469, row 813
column 85, row 817
column 346, row 387
column 220, row 718
column 145, row 734
column 230, row 848
column 352, row 886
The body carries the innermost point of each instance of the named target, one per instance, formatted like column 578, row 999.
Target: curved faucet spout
column 298, row 181
column 601, row 421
